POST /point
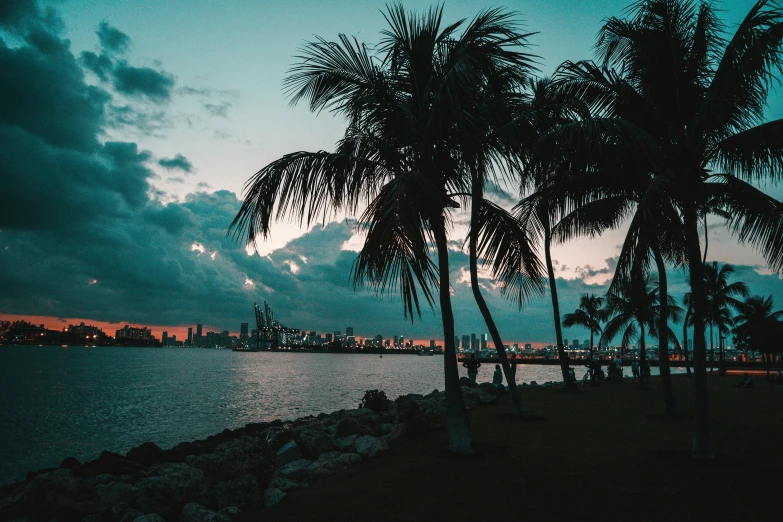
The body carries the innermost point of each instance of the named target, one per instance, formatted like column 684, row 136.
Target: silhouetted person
column 645, row 368
column 572, row 375
column 497, row 377
column 635, row 370
column 472, row 365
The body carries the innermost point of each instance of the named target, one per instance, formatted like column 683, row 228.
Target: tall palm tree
column 589, row 315
column 634, row 308
column 721, row 296
column 758, row 328
column 696, row 100
column 399, row 156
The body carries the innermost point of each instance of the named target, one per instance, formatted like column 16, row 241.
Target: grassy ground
column 602, row 454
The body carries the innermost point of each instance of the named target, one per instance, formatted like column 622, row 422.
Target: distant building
column 130, row 334
column 432, row 343
column 328, row 338
column 349, row 331
column 586, row 343
column 484, row 341
column 199, row 334
column 243, row 332
column 456, row 342
column 528, row 346
column 466, row 342
column 575, row 344
column 474, row 344
column 565, row 344
column 190, row 336
column 165, row 338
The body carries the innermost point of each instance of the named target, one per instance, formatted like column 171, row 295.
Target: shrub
column 376, row 400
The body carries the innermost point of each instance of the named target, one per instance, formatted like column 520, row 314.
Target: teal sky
column 117, row 207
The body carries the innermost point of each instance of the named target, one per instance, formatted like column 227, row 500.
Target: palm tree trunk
column 663, row 337
column 457, row 424
column 701, row 402
column 493, row 331
column 591, row 343
column 685, row 342
column 569, row 385
column 642, row 355
column 712, row 348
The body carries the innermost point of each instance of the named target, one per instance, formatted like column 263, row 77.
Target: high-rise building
column 586, row 343
column 484, row 341
column 328, row 338
column 396, row 341
column 190, row 336
column 565, row 344
column 575, row 344
column 528, row 346
column 432, row 343
column 199, row 333
column 243, row 332
column 337, row 335
column 349, row 331
column 466, row 342
column 474, row 344
column 224, row 338
column 456, row 342
column 165, row 338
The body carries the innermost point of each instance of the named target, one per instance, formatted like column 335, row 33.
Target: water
column 57, row 402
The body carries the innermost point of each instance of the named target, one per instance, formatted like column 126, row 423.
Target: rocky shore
column 235, row 471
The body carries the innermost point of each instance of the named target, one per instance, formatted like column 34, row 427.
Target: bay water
column 57, row 402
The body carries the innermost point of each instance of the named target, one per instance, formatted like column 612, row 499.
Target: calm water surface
column 58, row 402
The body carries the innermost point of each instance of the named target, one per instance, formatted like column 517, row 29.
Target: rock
column 488, row 388
column 284, row 484
column 464, row 381
column 369, row 446
column 247, row 454
column 231, row 512
column 297, row 469
column 288, row 453
column 347, row 443
column 147, row 453
column 194, row 512
column 171, row 486
column 332, row 462
column 533, row 383
column 150, row 517
column 93, row 518
column 70, row 463
column 124, row 513
column 113, row 464
column 272, row 497
column 111, row 494
column 314, row 439
column 347, row 426
column 411, row 414
column 474, row 397
column 393, row 432
column 242, row 492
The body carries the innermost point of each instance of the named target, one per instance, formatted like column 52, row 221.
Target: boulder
column 94, row 518
column 289, row 452
column 71, row 463
column 272, row 497
column 347, row 426
column 242, row 492
column 170, row 487
column 332, row 462
column 487, row 387
column 369, row 446
column 474, row 397
column 347, row 443
column 410, row 413
column 284, row 484
column 487, row 398
column 464, row 381
column 147, row 453
column 113, row 493
column 297, row 469
column 392, row 432
column 150, row 517
column 113, row 464
column 194, row 512
column 247, row 454
column 314, row 439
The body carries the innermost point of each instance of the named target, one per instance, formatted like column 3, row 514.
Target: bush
column 376, row 400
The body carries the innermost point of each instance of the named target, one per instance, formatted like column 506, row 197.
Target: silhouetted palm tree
column 634, row 308
column 696, row 101
column 400, row 155
column 758, row 328
column 721, row 296
column 589, row 315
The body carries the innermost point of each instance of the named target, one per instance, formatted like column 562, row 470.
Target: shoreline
column 262, row 461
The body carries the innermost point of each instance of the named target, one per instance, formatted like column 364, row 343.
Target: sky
column 127, row 132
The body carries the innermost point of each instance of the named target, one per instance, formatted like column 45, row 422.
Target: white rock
column 289, row 453
column 369, row 446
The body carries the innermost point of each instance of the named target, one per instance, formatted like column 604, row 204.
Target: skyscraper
column 190, row 336
column 466, row 342
column 474, row 345
column 243, row 332
column 198, row 335
column 165, row 338
column 349, row 331
column 484, row 341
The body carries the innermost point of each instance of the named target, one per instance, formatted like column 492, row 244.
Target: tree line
column 662, row 130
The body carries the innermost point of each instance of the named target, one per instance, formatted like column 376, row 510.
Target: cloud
column 219, row 110
column 112, row 40
column 177, row 162
column 142, row 81
column 175, row 179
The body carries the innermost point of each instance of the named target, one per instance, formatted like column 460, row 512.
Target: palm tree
column 399, row 156
column 758, row 328
column 589, row 315
column 721, row 296
column 634, row 308
column 696, row 101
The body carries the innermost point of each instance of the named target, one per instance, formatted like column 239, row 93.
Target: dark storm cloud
column 112, row 40
column 16, row 13
column 99, row 65
column 142, row 81
column 177, row 162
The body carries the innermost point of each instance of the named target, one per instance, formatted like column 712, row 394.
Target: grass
column 604, row 453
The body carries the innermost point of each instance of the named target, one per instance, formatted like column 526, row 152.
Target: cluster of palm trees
column 664, row 128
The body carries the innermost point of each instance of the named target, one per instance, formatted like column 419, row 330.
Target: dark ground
column 604, row 453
